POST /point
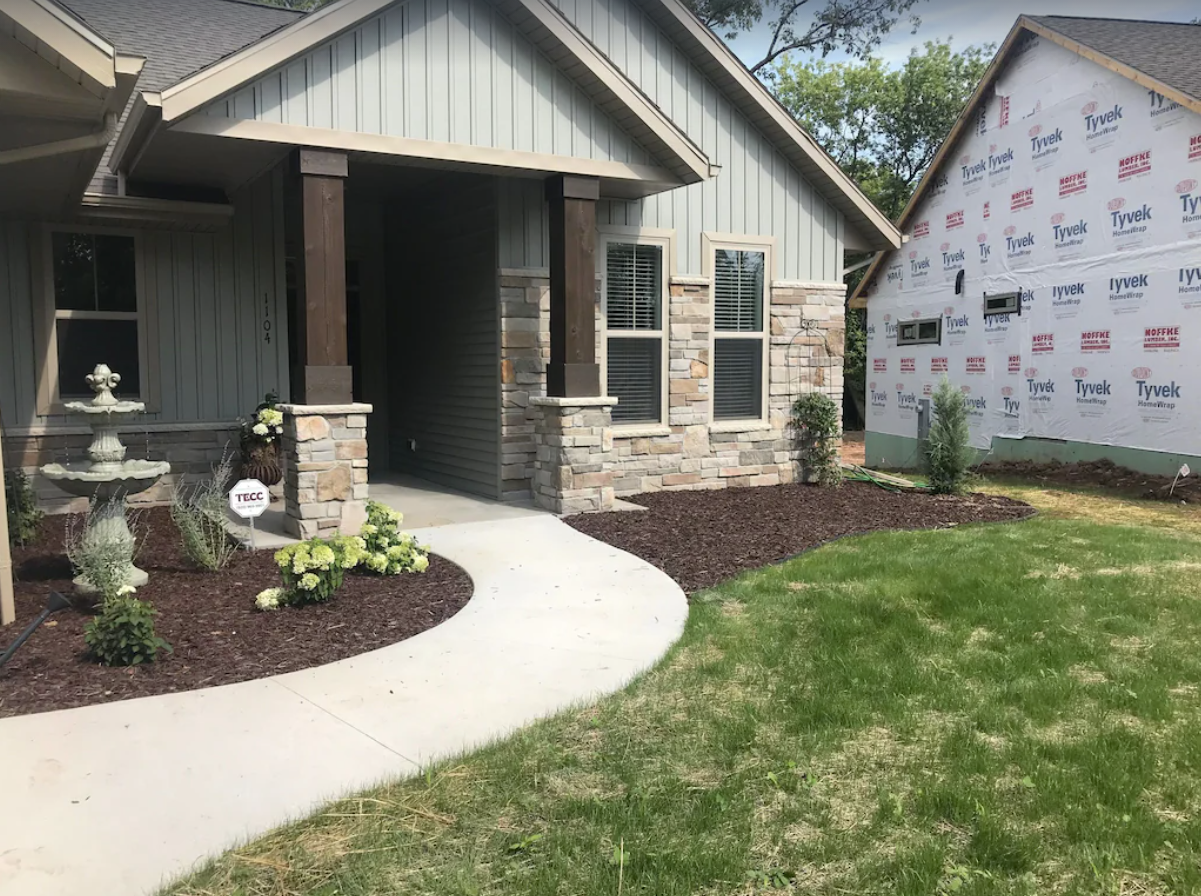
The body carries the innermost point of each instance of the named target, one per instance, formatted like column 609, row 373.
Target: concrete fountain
column 107, row 479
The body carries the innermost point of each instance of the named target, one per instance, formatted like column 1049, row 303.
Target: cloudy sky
column 975, row 22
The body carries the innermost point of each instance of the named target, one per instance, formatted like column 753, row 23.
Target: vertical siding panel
column 271, row 108
column 438, row 58
column 461, row 74
column 483, row 55
column 161, row 273
column 185, row 337
column 525, row 127
column 321, row 88
column 208, row 386
column 296, row 106
column 227, row 346
column 503, row 82
column 344, row 95
column 392, row 71
column 243, row 103
column 22, row 281
column 415, row 83
column 370, row 64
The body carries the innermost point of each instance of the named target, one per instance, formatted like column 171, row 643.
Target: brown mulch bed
column 210, row 621
column 701, row 538
column 1103, row 473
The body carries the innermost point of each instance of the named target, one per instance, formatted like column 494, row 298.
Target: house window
column 634, row 287
column 1003, row 303
column 920, row 332
column 739, row 302
column 96, row 319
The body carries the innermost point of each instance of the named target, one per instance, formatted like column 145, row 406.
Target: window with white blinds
column 634, row 289
column 739, row 298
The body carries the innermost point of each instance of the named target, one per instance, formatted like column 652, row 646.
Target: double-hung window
column 740, row 275
column 93, row 313
column 635, row 285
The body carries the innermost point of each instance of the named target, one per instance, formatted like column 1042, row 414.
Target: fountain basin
column 130, row 477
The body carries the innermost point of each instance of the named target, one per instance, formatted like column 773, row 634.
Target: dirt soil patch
column 1103, row 473
column 210, row 621
column 701, row 538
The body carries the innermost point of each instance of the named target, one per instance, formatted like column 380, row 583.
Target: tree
column 801, row 26
column 883, row 125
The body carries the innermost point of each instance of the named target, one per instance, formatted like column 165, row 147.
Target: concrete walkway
column 118, row 798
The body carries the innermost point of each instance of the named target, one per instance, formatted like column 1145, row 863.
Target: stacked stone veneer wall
column 325, row 486
column 191, row 449
column 689, row 451
column 573, row 465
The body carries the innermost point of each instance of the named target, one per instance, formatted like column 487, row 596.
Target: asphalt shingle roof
column 177, row 37
column 1167, row 51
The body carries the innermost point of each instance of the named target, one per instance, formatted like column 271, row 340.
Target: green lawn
column 988, row 709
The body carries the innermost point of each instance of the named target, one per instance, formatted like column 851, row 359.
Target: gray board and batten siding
column 459, row 71
column 213, row 311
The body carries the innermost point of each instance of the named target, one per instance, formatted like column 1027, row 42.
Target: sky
column 968, row 22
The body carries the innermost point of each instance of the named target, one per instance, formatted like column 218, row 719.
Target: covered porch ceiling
column 62, row 90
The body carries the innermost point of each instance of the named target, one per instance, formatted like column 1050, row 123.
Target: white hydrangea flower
column 421, row 563
column 259, row 429
column 269, row 599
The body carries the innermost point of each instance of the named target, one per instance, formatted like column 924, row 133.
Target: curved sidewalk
column 118, row 798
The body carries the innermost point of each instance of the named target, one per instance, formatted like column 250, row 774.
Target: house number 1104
column 267, row 318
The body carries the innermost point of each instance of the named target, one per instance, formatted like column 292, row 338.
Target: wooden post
column 326, row 375
column 573, row 371
column 8, row 612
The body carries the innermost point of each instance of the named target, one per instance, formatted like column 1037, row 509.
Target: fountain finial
column 102, row 381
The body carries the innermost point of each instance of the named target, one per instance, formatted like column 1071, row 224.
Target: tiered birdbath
column 108, row 479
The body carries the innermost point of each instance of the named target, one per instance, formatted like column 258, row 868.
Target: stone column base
column 573, row 467
column 325, row 487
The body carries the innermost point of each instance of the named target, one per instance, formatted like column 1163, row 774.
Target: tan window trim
column 46, row 316
column 711, row 242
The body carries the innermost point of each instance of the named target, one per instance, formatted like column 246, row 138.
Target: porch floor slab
column 556, row 619
column 424, row 504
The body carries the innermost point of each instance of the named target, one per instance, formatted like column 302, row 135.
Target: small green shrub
column 22, row 503
column 390, row 551
column 313, row 570
column 199, row 512
column 949, row 453
column 815, row 424
column 122, row 633
column 98, row 557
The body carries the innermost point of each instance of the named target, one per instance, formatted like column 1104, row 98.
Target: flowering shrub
column 270, row 599
column 265, row 426
column 313, row 570
column 388, row 550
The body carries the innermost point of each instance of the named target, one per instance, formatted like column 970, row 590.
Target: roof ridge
column 1117, row 19
column 271, row 6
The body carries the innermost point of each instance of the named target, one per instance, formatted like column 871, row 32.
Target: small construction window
column 920, row 332
column 739, row 298
column 1003, row 303
column 634, row 288
column 95, row 312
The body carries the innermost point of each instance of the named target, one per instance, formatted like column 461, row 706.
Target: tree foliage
column 805, row 26
column 949, row 453
column 883, row 125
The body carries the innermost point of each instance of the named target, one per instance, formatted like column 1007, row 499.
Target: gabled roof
column 179, row 37
column 1165, row 51
column 1160, row 56
column 715, row 58
column 544, row 24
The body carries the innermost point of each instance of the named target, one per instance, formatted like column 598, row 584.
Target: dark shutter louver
column 634, row 286
column 737, row 379
column 738, row 291
column 635, row 378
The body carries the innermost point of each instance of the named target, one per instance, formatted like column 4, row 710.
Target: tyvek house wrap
column 1081, row 190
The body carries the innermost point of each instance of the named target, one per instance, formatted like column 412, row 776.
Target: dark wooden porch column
column 326, row 376
column 573, row 370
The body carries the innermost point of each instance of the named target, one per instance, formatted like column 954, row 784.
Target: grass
column 989, row 709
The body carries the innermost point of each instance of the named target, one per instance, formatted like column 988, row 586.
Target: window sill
column 641, row 431
column 740, row 426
